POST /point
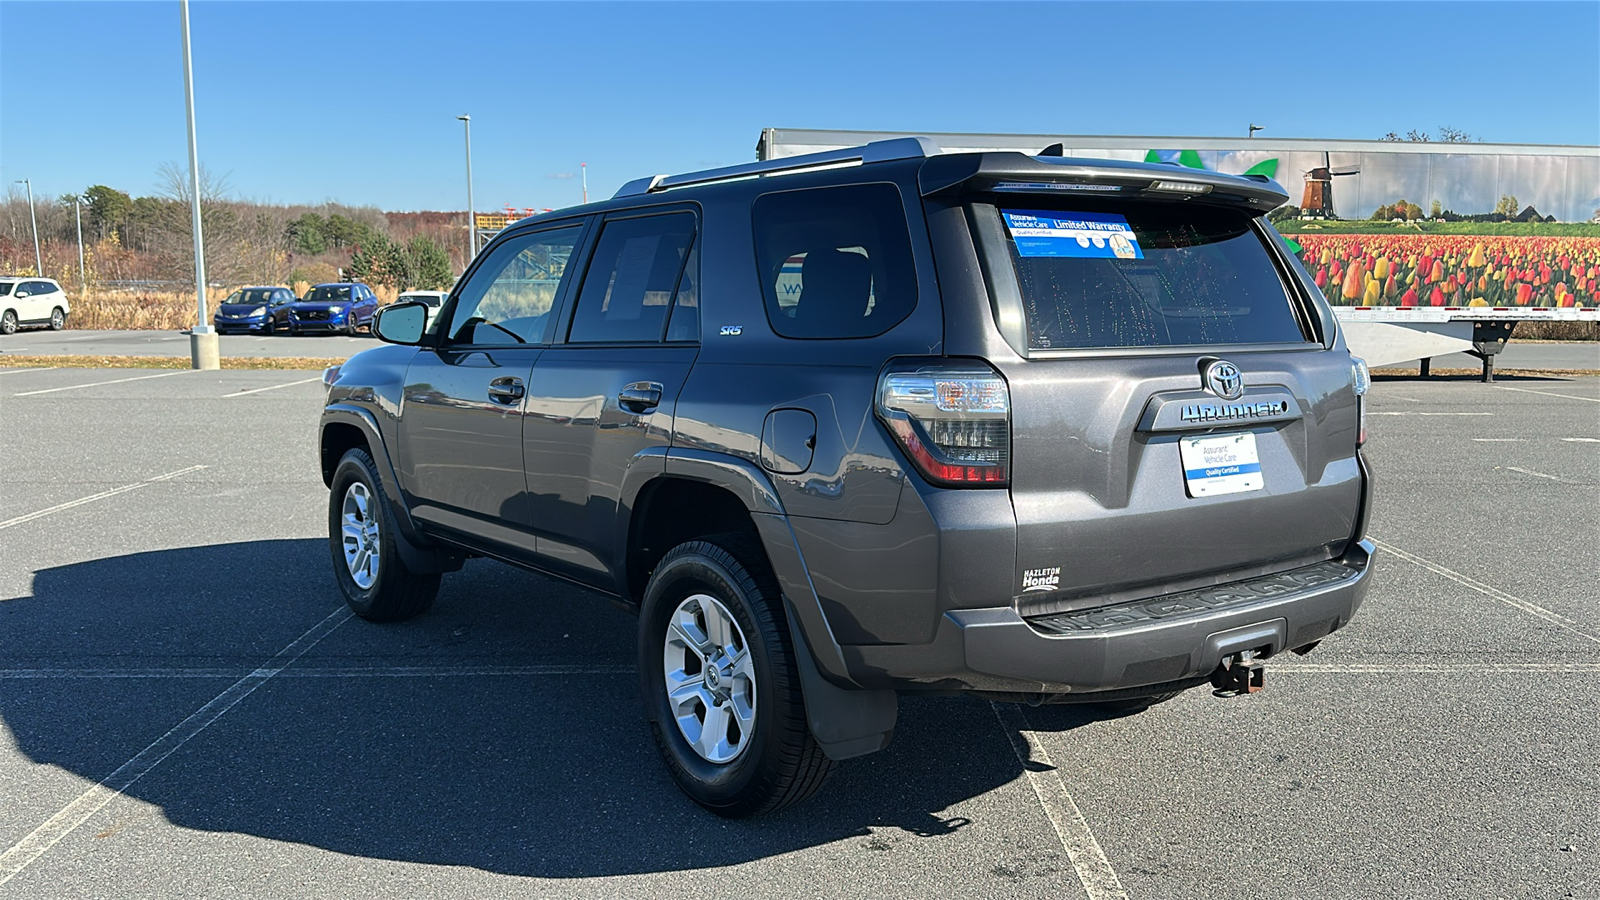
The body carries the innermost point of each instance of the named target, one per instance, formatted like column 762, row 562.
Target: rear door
column 1176, row 418
column 606, row 392
column 464, row 400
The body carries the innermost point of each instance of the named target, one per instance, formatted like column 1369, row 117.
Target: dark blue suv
column 345, row 306
column 254, row 309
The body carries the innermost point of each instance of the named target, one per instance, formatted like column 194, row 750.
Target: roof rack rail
column 877, row 151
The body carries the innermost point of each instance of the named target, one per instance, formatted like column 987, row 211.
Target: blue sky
column 356, row 102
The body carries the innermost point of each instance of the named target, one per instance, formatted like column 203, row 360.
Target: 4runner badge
column 732, row 330
column 1047, row 579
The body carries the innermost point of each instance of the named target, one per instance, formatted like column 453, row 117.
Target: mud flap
column 845, row 723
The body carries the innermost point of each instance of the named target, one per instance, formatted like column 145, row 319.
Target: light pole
column 1255, row 128
column 77, row 209
column 584, row 167
column 38, row 261
column 204, row 352
column 472, row 216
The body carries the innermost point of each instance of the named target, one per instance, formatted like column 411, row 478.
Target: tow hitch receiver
column 1241, row 673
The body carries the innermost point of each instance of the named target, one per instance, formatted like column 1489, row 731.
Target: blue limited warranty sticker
column 1091, row 235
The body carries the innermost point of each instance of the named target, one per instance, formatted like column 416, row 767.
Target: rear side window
column 631, row 279
column 1146, row 276
column 835, row 262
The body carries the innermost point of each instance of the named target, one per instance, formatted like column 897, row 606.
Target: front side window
column 509, row 297
column 1145, row 275
column 835, row 262
column 629, row 286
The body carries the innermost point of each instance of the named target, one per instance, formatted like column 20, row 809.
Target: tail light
column 1361, row 378
column 953, row 421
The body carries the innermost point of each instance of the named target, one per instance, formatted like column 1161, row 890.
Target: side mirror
column 401, row 323
column 20, row 294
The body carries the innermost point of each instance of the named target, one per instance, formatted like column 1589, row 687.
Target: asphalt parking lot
column 187, row 711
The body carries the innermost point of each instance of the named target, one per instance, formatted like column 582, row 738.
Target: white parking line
column 1500, row 440
column 1432, row 414
column 1539, row 474
column 272, row 388
column 1439, row 668
column 73, row 387
column 29, row 517
column 1100, row 881
column 1582, row 440
column 1533, row 609
column 1548, row 394
column 30, row 369
column 321, row 672
column 72, row 815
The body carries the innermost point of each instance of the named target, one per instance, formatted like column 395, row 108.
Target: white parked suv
column 31, row 301
column 433, row 299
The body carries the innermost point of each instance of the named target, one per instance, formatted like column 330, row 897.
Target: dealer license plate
column 1220, row 464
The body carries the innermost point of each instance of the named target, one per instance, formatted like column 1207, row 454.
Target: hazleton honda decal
column 1047, row 579
column 1222, row 412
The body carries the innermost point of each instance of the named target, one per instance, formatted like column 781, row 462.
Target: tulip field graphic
column 1453, row 270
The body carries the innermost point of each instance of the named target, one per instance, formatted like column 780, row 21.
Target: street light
column 77, row 209
column 1255, row 128
column 38, row 261
column 472, row 218
column 203, row 345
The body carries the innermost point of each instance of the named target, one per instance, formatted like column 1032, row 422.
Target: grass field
column 163, row 362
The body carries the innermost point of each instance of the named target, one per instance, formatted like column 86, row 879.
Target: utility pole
column 38, row 261
column 472, row 214
column 204, row 352
column 77, row 208
column 584, row 167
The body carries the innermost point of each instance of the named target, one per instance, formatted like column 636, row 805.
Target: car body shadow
column 500, row 731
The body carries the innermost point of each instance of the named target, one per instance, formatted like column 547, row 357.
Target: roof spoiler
column 957, row 173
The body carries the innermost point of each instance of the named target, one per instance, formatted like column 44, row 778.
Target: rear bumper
column 1147, row 642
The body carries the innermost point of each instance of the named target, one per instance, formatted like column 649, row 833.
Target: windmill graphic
column 1317, row 202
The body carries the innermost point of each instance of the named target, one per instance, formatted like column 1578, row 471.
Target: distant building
column 1350, row 179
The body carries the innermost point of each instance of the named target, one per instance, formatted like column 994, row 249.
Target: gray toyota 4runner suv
column 869, row 421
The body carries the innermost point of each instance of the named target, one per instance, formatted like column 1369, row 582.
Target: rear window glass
column 835, row 262
column 1145, row 276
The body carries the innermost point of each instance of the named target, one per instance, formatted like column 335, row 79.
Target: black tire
column 396, row 592
column 294, row 330
column 779, row 763
column 8, row 322
column 269, row 326
column 58, row 319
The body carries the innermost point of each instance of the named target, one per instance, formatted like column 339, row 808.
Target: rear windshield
column 1107, row 276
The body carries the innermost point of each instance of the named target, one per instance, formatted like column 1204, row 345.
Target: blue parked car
column 345, row 306
column 261, row 310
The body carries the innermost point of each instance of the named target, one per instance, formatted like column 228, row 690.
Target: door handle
column 506, row 390
column 640, row 397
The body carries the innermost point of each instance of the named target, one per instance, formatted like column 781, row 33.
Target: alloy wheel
column 359, row 524
column 710, row 679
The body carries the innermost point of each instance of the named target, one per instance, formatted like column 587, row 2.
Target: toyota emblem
column 1223, row 379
